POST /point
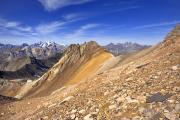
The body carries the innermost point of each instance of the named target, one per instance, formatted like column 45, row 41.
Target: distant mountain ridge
column 40, row 50
column 124, row 48
column 28, row 61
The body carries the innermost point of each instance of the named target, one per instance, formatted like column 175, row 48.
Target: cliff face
column 78, row 63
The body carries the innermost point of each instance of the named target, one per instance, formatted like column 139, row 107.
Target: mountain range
column 44, row 50
column 38, row 50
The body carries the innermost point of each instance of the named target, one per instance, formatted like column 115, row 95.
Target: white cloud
column 51, row 5
column 157, row 25
column 81, row 31
column 54, row 26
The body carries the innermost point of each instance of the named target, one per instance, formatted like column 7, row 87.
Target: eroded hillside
column 146, row 86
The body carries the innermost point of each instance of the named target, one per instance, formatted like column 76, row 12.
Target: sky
column 77, row 21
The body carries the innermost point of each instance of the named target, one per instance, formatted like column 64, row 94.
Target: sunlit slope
column 78, row 63
column 89, row 68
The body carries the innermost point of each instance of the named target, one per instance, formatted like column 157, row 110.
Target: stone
column 52, row 105
column 177, row 107
column 76, row 118
column 73, row 116
column 141, row 110
column 106, row 93
column 73, row 111
column 45, row 118
column 157, row 97
column 120, row 99
column 149, row 113
column 159, row 73
column 66, row 99
column 176, row 89
column 112, row 107
column 130, row 100
column 176, row 67
column 141, row 99
column 170, row 115
column 91, row 116
column 136, row 118
column 2, row 114
column 156, row 116
column 29, row 81
column 82, row 111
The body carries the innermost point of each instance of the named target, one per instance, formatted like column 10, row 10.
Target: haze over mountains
column 89, row 82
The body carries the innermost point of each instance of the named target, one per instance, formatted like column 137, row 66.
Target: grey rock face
column 39, row 50
column 124, row 48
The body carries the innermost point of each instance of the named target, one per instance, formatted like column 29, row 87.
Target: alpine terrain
column 89, row 83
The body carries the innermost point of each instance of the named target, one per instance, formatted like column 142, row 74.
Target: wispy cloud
column 18, row 28
column 50, row 27
column 126, row 8
column 82, row 30
column 72, row 16
column 106, row 12
column 156, row 25
column 51, row 5
column 54, row 26
column 13, row 25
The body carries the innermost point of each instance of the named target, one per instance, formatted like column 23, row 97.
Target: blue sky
column 77, row 21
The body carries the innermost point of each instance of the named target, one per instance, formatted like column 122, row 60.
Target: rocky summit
column 142, row 86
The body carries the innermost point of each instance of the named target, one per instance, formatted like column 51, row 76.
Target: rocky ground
column 147, row 88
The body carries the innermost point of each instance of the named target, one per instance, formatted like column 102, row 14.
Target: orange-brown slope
column 77, row 63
